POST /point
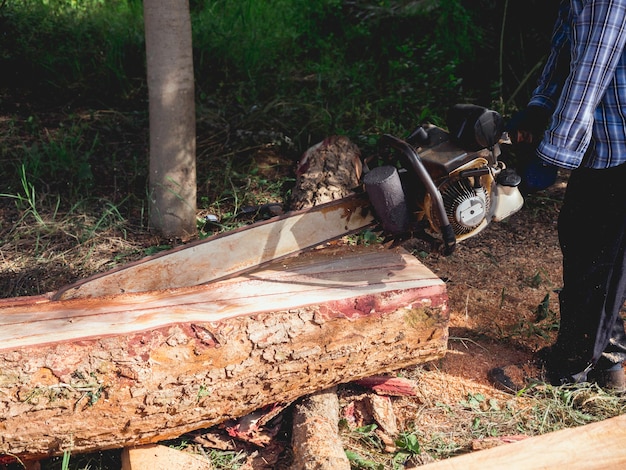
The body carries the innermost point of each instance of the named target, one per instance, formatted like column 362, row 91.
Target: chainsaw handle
column 447, row 232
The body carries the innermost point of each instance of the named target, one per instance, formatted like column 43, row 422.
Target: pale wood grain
column 591, row 447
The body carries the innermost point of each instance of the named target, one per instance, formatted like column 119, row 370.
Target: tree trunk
column 327, row 171
column 133, row 369
column 172, row 117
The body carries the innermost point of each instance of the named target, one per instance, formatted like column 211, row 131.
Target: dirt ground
column 502, row 286
column 497, row 283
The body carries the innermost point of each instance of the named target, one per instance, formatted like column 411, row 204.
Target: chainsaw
column 444, row 185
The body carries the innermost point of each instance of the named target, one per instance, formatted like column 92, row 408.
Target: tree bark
column 315, row 440
column 172, row 117
column 116, row 371
column 327, row 171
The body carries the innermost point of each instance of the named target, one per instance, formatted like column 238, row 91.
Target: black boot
column 611, row 379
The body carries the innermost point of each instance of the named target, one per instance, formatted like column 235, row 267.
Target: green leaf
column 409, row 442
column 543, row 309
column 360, row 462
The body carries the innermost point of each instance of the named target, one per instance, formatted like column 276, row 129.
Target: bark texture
column 327, row 171
column 133, row 369
column 315, row 441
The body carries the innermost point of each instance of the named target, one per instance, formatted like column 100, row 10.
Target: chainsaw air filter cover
column 467, row 207
column 468, row 201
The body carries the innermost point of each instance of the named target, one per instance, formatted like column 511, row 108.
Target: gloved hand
column 537, row 174
column 528, row 125
column 526, row 129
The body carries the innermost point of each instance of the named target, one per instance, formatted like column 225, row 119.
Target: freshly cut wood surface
column 230, row 253
column 133, row 369
column 312, row 278
column 591, row 447
column 157, row 457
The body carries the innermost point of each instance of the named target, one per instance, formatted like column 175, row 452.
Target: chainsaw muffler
column 386, row 195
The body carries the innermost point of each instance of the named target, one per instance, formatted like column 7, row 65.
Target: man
column 581, row 97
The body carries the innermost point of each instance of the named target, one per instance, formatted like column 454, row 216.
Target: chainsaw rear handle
column 447, row 232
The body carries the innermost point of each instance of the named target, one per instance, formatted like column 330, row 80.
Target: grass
column 106, row 460
column 226, row 460
column 454, row 426
column 236, row 190
column 42, row 245
column 59, row 222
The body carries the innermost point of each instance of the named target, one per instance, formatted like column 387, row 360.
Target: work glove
column 526, row 129
column 528, row 125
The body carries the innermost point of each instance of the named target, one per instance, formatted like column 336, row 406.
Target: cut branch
column 315, row 441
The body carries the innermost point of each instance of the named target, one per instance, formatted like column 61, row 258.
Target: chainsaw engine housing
column 453, row 193
column 475, row 187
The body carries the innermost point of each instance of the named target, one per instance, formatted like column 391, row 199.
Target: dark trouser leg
column 591, row 227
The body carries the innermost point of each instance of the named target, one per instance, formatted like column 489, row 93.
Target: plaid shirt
column 584, row 84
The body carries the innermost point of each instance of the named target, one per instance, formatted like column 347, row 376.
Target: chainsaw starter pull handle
column 447, row 232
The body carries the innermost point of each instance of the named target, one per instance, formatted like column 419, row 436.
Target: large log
column 134, row 369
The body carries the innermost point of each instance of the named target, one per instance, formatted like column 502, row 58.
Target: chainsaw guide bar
column 230, row 254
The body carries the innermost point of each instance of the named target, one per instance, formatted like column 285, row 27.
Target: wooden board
column 88, row 374
column 157, row 457
column 592, row 447
column 230, row 253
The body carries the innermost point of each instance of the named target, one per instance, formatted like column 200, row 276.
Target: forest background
column 277, row 75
